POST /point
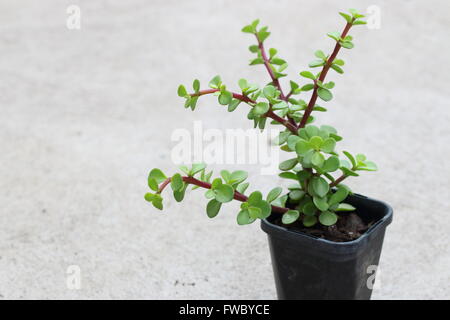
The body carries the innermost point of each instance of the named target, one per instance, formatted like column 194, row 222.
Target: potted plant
column 322, row 236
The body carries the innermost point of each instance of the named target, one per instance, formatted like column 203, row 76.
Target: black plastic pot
column 306, row 267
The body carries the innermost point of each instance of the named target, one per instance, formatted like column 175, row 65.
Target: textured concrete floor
column 86, row 113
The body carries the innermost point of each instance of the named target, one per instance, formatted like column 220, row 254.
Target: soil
column 348, row 227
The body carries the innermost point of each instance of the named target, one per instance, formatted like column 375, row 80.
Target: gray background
column 85, row 114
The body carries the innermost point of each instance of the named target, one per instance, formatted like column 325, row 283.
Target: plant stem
column 237, row 195
column 235, row 95
column 338, row 180
column 243, row 98
column 275, row 80
column 323, row 73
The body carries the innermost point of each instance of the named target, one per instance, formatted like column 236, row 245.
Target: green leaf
column 288, row 164
column 288, row 175
column 256, row 61
column 282, row 137
column 253, row 48
column 278, row 61
column 294, row 85
column 309, row 208
column 238, row 176
column 261, row 108
column 329, row 85
column 292, row 142
column 308, row 75
column 324, row 94
column 328, row 145
column 346, row 17
column 347, row 44
column 243, row 84
column 316, row 63
column 270, row 91
column 255, row 23
column 224, row 193
column 349, row 172
column 149, row 196
column 338, row 196
column 350, row 157
column 320, row 186
column 339, row 62
column 369, row 166
column 242, row 187
column 158, row 175
column 197, row 167
column 331, row 164
column 215, row 82
column 213, row 208
column 153, row 184
column 303, row 175
column 337, row 68
column 334, row 35
column 157, row 202
column 248, row 29
column 209, row 194
column 312, row 130
column 316, row 142
column 243, row 218
column 266, row 209
column 307, row 87
column 274, row 193
column 182, row 91
column 321, row 203
column 233, row 105
column 254, row 212
column 225, row 98
column 179, row 194
column 319, row 54
column 328, row 218
column 184, row 169
column 272, row 52
column 196, row 85
column 302, row 147
column 262, row 35
column 360, row 157
column 309, row 221
column 317, row 159
column 328, row 129
column 357, row 22
column 255, row 198
column 290, row 216
column 345, row 207
column 176, row 182
column 296, row 195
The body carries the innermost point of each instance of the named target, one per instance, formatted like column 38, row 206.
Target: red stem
column 275, row 80
column 237, row 195
column 338, row 180
column 323, row 73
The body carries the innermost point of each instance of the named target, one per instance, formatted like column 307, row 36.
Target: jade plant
column 318, row 192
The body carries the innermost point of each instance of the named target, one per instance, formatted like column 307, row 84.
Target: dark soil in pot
column 350, row 226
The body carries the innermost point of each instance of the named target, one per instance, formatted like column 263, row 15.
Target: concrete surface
column 86, row 113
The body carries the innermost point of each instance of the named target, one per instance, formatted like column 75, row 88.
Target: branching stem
column 323, row 74
column 237, row 195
